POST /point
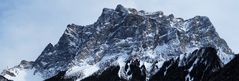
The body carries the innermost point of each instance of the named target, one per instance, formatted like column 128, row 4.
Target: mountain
column 129, row 45
column 199, row 65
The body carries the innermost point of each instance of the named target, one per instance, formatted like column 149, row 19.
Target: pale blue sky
column 27, row 26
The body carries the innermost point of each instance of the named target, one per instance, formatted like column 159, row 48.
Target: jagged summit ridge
column 147, row 36
column 121, row 36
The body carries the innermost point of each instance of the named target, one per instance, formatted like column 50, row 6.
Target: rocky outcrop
column 2, row 78
column 125, row 44
column 229, row 72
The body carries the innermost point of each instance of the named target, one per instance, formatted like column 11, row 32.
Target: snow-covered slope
column 22, row 72
column 124, row 39
column 200, row 65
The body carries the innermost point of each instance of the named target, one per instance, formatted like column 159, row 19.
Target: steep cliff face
column 133, row 45
column 126, row 32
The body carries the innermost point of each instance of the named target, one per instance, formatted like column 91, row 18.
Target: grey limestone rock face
column 148, row 37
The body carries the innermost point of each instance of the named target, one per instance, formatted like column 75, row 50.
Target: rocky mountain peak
column 134, row 44
column 123, row 31
column 121, row 10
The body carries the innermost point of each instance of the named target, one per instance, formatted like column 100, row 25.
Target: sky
column 27, row 26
